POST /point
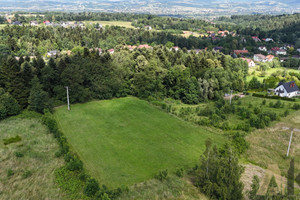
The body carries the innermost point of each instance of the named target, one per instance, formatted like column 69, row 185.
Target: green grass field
column 268, row 72
column 113, row 23
column 30, row 175
column 126, row 141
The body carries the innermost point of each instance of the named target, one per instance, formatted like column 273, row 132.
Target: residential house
column 250, row 62
column 268, row 40
column 298, row 50
column 175, row 48
column 9, row 21
column 53, row 53
column 146, row 46
column 259, row 58
column 270, row 58
column 223, row 33
column 218, row 48
column 244, row 51
column 262, row 48
column 289, row 89
column 256, row 39
column 111, row 51
column 278, row 51
column 17, row 23
column 131, row 48
column 34, row 23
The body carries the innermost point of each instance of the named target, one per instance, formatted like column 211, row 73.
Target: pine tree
column 218, row 175
column 38, row 99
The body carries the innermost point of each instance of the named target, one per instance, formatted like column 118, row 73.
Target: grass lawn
column 31, row 175
column 268, row 72
column 113, row 23
column 126, row 141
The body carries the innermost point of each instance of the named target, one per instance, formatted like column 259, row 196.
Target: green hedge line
column 273, row 97
column 89, row 186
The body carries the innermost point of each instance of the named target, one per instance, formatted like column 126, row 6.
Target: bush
column 179, row 172
column 19, row 154
column 26, row 174
column 75, row 165
column 12, row 140
column 91, row 188
column 296, row 106
column 162, row 175
column 10, row 172
column 239, row 143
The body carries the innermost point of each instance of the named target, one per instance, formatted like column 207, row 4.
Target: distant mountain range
column 163, row 7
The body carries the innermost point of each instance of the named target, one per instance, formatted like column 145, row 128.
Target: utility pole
column 287, row 154
column 68, row 97
column 230, row 96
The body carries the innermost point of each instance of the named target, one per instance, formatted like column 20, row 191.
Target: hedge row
column 75, row 165
column 273, row 97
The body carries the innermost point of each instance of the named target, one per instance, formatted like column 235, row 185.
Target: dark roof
column 289, row 86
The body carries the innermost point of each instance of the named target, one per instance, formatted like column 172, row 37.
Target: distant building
column 256, row 39
column 34, row 23
column 218, row 48
column 278, row 51
column 17, row 23
column 146, row 46
column 131, row 48
column 259, row 58
column 223, row 33
column 111, row 51
column 250, row 62
column 175, row 48
column 53, row 53
column 237, row 52
column 289, row 89
column 270, row 58
column 268, row 39
column 262, row 48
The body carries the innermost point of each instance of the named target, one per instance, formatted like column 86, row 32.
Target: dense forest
column 159, row 73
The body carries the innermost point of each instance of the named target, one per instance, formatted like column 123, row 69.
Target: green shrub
column 26, row 174
column 10, row 172
column 91, row 188
column 12, row 140
column 162, row 175
column 19, row 154
column 75, row 165
column 179, row 172
column 296, row 106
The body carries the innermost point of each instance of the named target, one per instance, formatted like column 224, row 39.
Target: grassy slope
column 38, row 148
column 269, row 146
column 126, row 141
column 269, row 72
column 172, row 188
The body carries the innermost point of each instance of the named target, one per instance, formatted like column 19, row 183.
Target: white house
column 53, row 53
column 259, row 58
column 289, row 89
column 34, row 23
column 262, row 48
column 250, row 62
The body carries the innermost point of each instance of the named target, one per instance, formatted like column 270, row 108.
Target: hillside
column 27, row 166
column 186, row 8
column 127, row 141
